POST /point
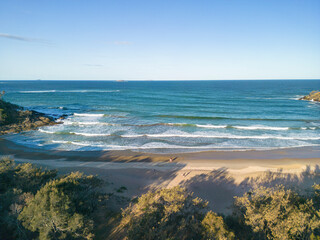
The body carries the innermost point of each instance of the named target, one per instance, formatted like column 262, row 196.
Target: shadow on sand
column 220, row 188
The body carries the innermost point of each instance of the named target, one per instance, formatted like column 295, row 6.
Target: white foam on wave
column 76, row 133
column 185, row 135
column 261, row 128
column 89, row 114
column 253, row 127
column 91, row 91
column 45, row 131
column 153, row 145
column 296, row 97
column 157, row 145
column 219, row 136
column 44, row 91
column 211, row 126
column 77, row 143
column 91, row 134
column 88, row 123
column 63, row 142
column 164, row 135
column 70, row 91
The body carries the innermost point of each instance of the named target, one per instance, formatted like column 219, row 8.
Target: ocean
column 169, row 116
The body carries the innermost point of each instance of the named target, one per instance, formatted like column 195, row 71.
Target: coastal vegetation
column 41, row 204
column 172, row 214
column 61, row 209
column 37, row 203
column 278, row 213
column 14, row 119
column 313, row 96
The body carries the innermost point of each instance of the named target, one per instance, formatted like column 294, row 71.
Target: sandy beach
column 215, row 176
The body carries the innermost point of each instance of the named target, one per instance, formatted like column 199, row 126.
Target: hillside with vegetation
column 41, row 204
column 14, row 119
column 313, row 96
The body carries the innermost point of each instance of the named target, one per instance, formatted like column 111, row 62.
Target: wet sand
column 280, row 156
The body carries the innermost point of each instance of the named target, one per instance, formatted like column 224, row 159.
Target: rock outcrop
column 13, row 119
column 313, row 96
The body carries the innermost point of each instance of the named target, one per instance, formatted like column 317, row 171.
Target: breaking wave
column 71, row 91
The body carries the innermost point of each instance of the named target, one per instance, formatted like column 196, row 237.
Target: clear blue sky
column 159, row 39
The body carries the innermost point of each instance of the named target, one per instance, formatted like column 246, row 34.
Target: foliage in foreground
column 37, row 204
column 18, row 183
column 172, row 214
column 277, row 213
column 61, row 209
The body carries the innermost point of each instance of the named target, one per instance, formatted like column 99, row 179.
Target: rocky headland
column 14, row 119
column 313, row 96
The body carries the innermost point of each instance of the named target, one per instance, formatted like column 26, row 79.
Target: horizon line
column 150, row 80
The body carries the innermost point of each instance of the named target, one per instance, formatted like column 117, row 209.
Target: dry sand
column 217, row 184
column 215, row 176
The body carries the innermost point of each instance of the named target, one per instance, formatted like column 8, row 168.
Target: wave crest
column 70, row 91
column 89, row 114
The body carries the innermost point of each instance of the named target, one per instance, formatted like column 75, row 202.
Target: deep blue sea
column 170, row 116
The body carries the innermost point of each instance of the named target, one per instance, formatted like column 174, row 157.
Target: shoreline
column 277, row 156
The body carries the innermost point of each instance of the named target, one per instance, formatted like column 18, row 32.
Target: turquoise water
column 175, row 116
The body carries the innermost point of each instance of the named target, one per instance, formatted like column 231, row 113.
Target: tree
column 316, row 195
column 169, row 214
column 62, row 208
column 7, row 174
column 277, row 213
column 30, row 178
column 18, row 183
column 215, row 228
column 25, row 176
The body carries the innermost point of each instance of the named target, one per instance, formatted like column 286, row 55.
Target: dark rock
column 13, row 119
column 63, row 116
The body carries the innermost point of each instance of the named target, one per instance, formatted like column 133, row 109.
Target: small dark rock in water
column 13, row 119
column 63, row 116
column 313, row 96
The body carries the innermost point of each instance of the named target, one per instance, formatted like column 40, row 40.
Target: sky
column 159, row 39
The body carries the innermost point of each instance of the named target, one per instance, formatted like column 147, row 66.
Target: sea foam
column 219, row 136
column 89, row 114
column 89, row 123
column 70, row 91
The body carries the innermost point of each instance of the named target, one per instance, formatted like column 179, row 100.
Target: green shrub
column 214, row 228
column 62, row 208
column 172, row 214
column 18, row 183
column 277, row 213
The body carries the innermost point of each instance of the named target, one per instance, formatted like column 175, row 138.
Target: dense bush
column 8, row 112
column 277, row 213
column 214, row 228
column 172, row 214
column 316, row 195
column 62, row 208
column 18, row 183
column 38, row 204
